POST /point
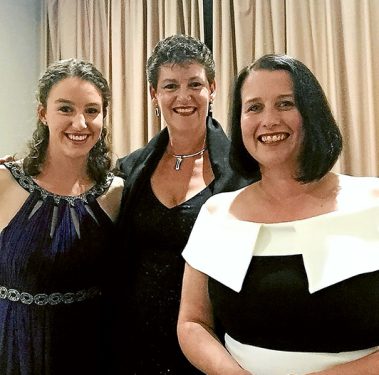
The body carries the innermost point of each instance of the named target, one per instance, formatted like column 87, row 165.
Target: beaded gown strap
column 26, row 182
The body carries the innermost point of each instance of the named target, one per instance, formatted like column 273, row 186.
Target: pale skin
column 272, row 133
column 183, row 94
column 74, row 116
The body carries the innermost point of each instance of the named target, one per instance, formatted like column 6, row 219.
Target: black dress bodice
column 275, row 310
column 160, row 233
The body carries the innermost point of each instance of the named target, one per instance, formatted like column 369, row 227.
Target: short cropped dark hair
column 179, row 49
column 322, row 139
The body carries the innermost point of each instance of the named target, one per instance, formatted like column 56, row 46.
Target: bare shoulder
column 115, row 189
column 117, row 184
column 12, row 196
column 110, row 201
column 6, row 179
column 3, row 170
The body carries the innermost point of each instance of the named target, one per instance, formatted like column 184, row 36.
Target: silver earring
column 157, row 111
column 210, row 109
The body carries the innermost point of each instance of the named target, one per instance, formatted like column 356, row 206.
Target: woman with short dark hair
column 322, row 142
column 167, row 181
column 289, row 265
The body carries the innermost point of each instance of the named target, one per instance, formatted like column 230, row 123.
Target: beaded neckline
column 30, row 185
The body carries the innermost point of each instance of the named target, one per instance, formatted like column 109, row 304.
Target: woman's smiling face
column 271, row 123
column 183, row 94
column 74, row 116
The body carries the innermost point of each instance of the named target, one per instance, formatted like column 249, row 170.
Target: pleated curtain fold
column 336, row 39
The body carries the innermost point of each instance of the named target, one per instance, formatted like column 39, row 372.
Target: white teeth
column 77, row 137
column 184, row 110
column 272, row 138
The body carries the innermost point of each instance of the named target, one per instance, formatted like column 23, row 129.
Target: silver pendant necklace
column 180, row 158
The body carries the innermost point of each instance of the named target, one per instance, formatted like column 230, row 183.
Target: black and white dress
column 293, row 297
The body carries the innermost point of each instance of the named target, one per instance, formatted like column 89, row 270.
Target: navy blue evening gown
column 52, row 256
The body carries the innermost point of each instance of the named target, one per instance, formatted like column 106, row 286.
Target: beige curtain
column 342, row 36
column 136, row 27
column 336, row 39
column 79, row 29
column 118, row 36
column 242, row 30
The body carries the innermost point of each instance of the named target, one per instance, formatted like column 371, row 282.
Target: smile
column 77, row 137
column 273, row 138
column 185, row 111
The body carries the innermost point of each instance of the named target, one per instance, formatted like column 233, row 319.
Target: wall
column 20, row 22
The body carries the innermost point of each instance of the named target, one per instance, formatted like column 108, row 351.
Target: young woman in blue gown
column 57, row 208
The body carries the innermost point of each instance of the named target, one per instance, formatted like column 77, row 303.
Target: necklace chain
column 180, row 158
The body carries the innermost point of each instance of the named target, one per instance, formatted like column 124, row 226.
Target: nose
column 184, row 95
column 79, row 122
column 270, row 118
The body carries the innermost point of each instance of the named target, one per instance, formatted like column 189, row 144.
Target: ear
column 153, row 93
column 41, row 111
column 212, row 88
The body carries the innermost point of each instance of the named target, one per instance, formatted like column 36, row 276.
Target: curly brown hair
column 99, row 159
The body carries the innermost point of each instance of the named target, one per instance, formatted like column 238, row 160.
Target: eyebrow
column 175, row 80
column 169, row 80
column 285, row 95
column 61, row 100
column 195, row 77
column 292, row 95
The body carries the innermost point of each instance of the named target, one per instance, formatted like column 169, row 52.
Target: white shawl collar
column 334, row 246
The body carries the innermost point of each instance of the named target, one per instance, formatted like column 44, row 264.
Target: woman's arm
column 110, row 202
column 195, row 328
column 6, row 158
column 368, row 365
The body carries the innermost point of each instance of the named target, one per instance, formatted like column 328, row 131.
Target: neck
column 179, row 158
column 196, row 153
column 67, row 177
column 181, row 147
column 287, row 188
column 185, row 144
